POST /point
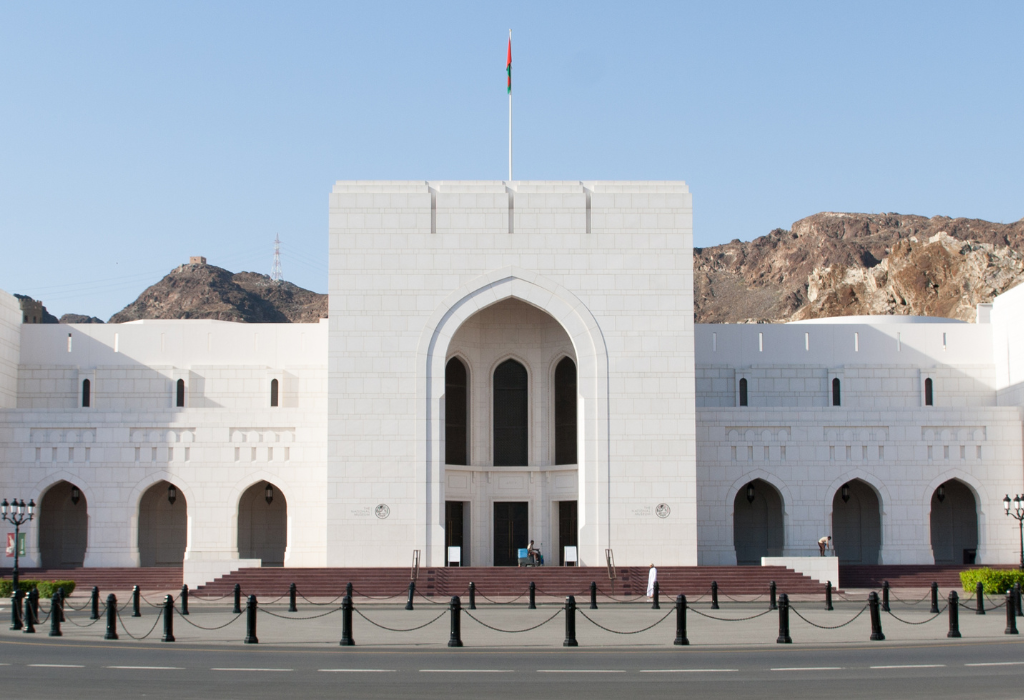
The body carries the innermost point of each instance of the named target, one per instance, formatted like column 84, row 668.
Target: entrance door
column 511, row 531
column 453, row 520
column 566, row 528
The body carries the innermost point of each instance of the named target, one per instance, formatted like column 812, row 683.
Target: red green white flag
column 508, row 65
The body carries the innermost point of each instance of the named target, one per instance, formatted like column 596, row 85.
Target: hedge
column 46, row 588
column 995, row 581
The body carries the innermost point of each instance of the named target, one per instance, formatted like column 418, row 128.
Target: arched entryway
column 163, row 525
column 63, row 526
column 757, row 522
column 263, row 524
column 954, row 524
column 856, row 523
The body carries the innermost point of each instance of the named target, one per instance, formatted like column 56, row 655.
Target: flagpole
column 510, row 119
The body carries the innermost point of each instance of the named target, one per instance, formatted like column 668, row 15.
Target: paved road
column 52, row 668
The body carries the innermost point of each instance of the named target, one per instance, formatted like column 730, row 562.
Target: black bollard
column 291, row 599
column 570, row 622
column 111, row 617
column 772, row 605
column 455, row 608
column 237, row 610
column 885, row 596
column 876, row 618
column 33, row 605
column 168, row 619
column 184, row 599
column 347, row 640
column 533, row 596
column 1011, row 615
column 27, row 616
column 348, row 589
column 714, row 595
column 136, row 594
column 954, row 615
column 412, row 592
column 472, row 596
column 784, row 637
column 935, row 598
column 60, row 591
column 250, row 621
column 979, row 597
column 94, row 603
column 16, row 610
column 593, row 595
column 681, row 639
column 657, row 597
column 828, row 595
column 1016, row 598
column 55, row 610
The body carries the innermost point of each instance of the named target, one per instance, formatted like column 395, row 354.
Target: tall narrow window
column 565, row 412
column 273, row 392
column 511, row 414
column 86, row 390
column 455, row 413
column 743, row 392
column 836, row 398
column 928, row 397
column 180, row 394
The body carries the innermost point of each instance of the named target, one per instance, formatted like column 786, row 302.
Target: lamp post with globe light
column 1017, row 514
column 17, row 512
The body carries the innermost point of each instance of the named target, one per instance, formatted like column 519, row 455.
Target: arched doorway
column 263, row 524
column 856, row 523
column 63, row 527
column 954, row 524
column 163, row 525
column 757, row 523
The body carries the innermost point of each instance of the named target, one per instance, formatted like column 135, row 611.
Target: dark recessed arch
column 63, row 526
column 566, row 433
column 758, row 529
column 856, row 523
column 511, row 415
column 456, row 413
column 954, row 523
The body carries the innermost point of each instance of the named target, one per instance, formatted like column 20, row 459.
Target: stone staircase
column 905, row 575
column 108, row 579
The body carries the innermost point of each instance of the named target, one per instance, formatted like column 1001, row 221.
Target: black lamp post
column 750, row 492
column 1017, row 514
column 268, row 494
column 15, row 512
column 844, row 493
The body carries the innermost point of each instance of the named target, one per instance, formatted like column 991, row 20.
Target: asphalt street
column 60, row 668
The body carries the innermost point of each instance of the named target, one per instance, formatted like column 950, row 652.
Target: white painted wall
column 10, row 349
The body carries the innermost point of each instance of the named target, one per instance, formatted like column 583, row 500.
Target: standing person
column 652, row 576
column 824, row 544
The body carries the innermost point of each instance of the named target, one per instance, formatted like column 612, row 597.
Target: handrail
column 414, row 574
column 609, row 559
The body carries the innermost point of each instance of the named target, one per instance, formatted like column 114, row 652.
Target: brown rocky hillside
column 834, row 264
column 207, row 291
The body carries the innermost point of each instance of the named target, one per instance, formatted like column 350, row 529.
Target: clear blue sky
column 136, row 134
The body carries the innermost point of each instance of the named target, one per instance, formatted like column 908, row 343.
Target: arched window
column 743, row 392
column 565, row 412
column 180, row 394
column 86, row 389
column 273, row 392
column 929, row 398
column 836, row 398
column 511, row 415
column 456, row 431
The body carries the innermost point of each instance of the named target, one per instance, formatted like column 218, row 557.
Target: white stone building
column 505, row 362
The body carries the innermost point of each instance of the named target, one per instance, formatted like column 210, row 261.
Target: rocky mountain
column 833, row 264
column 79, row 318
column 199, row 290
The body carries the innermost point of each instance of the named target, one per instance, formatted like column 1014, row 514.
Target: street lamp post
column 1017, row 514
column 17, row 512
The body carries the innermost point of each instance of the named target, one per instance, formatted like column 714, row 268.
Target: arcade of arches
column 63, row 526
column 163, row 525
column 757, row 523
column 954, row 524
column 856, row 523
column 263, row 524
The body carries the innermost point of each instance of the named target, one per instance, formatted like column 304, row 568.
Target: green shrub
column 995, row 581
column 46, row 588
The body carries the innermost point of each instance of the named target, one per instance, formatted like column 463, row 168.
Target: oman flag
column 508, row 64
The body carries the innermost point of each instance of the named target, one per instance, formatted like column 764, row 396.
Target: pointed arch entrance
column 263, row 524
column 954, row 523
column 163, row 525
column 63, row 527
column 856, row 523
column 757, row 522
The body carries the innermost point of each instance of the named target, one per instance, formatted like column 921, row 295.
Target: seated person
column 533, row 554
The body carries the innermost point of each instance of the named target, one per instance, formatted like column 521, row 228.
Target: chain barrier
column 139, row 639
column 392, row 629
column 737, row 600
column 729, row 619
column 922, row 622
column 286, row 617
column 498, row 629
column 69, row 606
column 192, row 596
column 429, row 601
column 827, row 627
column 927, row 596
column 330, row 602
column 144, row 600
column 611, row 597
column 495, row 602
column 987, row 606
column 378, row 597
column 103, row 612
column 606, row 629
column 208, row 629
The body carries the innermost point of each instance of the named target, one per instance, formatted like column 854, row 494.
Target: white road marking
column 250, row 669
column 811, row 668
column 691, row 670
column 464, row 670
column 356, row 670
column 580, row 670
column 914, row 666
column 55, row 666
column 998, row 663
column 150, row 668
